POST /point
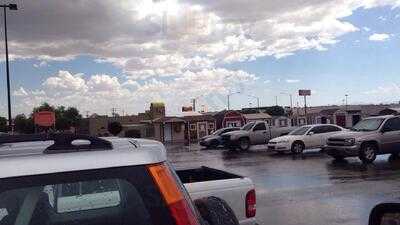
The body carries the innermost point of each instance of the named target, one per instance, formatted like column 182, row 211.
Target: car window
column 317, row 130
column 328, row 129
column 392, row 124
column 122, row 196
column 260, row 126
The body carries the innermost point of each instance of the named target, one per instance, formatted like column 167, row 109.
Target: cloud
column 20, row 92
column 379, row 37
column 382, row 18
column 41, row 64
column 389, row 89
column 292, row 81
column 99, row 92
column 167, row 38
column 366, row 29
column 267, row 81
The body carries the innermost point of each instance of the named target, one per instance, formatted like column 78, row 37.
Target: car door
column 390, row 135
column 314, row 137
column 259, row 134
column 328, row 131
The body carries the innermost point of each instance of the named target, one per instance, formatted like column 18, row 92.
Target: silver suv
column 370, row 137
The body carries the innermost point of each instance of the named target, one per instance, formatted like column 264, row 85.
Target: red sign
column 44, row 118
column 304, row 92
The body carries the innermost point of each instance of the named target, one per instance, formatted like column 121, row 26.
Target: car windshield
column 76, row 198
column 300, row 130
column 368, row 124
column 218, row 132
column 247, row 126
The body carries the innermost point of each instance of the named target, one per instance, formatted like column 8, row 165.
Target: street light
column 258, row 100
column 291, row 96
column 11, row 7
column 346, row 95
column 229, row 95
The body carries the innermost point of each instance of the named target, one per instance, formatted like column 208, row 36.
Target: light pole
column 291, row 105
column 258, row 100
column 346, row 95
column 229, row 95
column 11, row 7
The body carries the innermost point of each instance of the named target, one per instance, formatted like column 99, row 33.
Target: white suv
column 68, row 179
column 305, row 137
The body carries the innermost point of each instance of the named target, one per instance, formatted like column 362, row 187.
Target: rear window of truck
column 117, row 196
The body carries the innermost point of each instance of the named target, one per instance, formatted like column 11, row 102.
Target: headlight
column 350, row 141
column 283, row 141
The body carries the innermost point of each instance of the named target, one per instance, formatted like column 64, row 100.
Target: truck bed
column 204, row 181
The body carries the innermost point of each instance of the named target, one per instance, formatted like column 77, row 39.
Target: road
column 314, row 190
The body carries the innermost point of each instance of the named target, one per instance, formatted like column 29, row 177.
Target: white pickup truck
column 75, row 179
column 236, row 190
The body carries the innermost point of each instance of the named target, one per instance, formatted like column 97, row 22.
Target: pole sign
column 304, row 92
column 187, row 109
column 44, row 118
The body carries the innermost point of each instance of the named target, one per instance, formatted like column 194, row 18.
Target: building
column 169, row 129
column 390, row 111
column 258, row 117
column 138, row 126
column 233, row 119
column 198, row 126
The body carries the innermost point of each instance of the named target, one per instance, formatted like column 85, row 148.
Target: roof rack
column 62, row 142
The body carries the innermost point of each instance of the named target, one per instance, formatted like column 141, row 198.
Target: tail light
column 251, row 204
column 178, row 205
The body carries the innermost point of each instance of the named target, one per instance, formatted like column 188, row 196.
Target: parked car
column 253, row 133
column 305, row 137
column 215, row 139
column 368, row 138
column 76, row 179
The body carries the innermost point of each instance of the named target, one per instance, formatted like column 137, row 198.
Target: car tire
column 338, row 158
column 297, row 147
column 213, row 144
column 244, row 144
column 216, row 211
column 368, row 153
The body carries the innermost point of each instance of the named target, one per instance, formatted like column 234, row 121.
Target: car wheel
column 368, row 153
column 338, row 158
column 297, row 147
column 216, row 211
column 213, row 144
column 244, row 144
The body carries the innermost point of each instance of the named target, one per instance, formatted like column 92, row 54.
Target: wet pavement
column 314, row 190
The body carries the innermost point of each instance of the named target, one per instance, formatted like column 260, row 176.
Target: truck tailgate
column 233, row 189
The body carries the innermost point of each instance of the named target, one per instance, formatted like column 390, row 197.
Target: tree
column 44, row 107
column 275, row 111
column 20, row 123
column 65, row 117
column 3, row 124
column 114, row 128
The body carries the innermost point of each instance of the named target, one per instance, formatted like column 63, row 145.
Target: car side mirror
column 385, row 214
column 310, row 133
column 215, row 211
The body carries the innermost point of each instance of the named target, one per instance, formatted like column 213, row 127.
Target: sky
column 99, row 55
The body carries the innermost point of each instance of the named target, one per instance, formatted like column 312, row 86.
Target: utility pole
column 346, row 95
column 194, row 104
column 87, row 114
column 305, row 109
column 11, row 7
column 113, row 112
column 276, row 100
column 228, row 96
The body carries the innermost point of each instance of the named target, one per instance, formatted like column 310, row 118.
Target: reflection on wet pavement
column 312, row 190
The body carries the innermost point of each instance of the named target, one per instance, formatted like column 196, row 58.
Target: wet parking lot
column 313, row 190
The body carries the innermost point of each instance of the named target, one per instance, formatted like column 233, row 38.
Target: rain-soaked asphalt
column 312, row 191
